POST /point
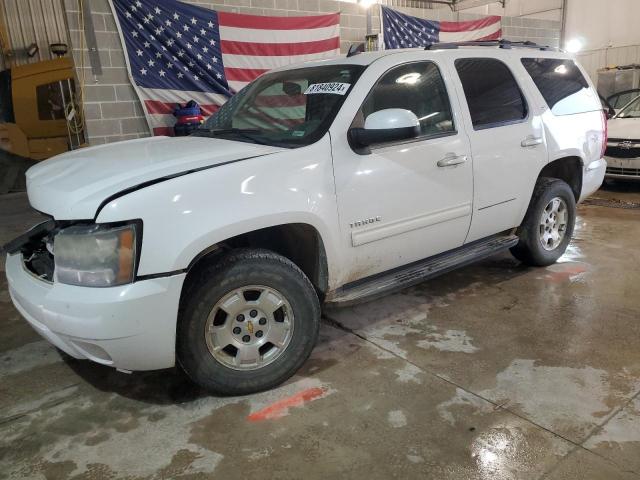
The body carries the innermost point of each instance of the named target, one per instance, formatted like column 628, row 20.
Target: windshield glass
column 291, row 108
column 631, row 111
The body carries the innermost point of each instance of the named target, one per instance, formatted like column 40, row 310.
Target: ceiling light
column 366, row 3
column 574, row 45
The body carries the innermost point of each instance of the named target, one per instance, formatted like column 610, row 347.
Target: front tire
column 247, row 323
column 548, row 224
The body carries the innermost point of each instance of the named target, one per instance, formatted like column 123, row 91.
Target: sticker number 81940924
column 335, row 88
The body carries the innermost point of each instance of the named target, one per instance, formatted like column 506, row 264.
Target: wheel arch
column 301, row 243
column 568, row 169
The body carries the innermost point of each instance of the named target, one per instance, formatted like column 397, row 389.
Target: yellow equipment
column 39, row 115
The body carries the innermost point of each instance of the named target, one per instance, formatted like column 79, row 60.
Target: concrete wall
column 599, row 24
column 607, row 30
column 114, row 113
column 539, row 9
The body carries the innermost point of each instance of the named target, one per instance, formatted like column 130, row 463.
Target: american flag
column 179, row 52
column 405, row 31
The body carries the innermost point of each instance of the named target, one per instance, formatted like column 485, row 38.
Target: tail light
column 605, row 133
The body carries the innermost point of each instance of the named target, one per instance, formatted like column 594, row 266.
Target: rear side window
column 562, row 85
column 493, row 96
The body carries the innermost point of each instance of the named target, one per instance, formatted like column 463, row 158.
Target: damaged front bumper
column 130, row 327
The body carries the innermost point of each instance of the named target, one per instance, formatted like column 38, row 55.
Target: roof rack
column 487, row 43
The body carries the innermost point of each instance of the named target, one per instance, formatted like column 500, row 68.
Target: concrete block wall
column 112, row 109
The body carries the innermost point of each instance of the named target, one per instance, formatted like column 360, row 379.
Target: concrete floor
column 494, row 371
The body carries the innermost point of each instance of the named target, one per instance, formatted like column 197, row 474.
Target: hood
column 72, row 186
column 624, row 128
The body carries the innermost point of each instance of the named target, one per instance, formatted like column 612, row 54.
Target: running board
column 417, row 272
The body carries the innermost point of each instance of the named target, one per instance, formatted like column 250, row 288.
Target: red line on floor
column 564, row 272
column 280, row 408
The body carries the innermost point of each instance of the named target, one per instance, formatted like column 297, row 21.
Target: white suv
column 327, row 182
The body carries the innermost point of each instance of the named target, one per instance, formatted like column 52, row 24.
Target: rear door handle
column 452, row 159
column 531, row 141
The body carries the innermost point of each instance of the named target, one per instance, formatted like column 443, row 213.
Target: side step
column 417, row 272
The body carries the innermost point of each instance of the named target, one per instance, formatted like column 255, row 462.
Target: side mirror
column 389, row 125
column 611, row 113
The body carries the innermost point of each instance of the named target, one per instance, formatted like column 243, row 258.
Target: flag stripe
column 155, row 107
column 163, row 131
column 269, row 62
column 181, row 96
column 494, row 36
column 258, row 22
column 470, row 25
column 280, row 101
column 279, row 49
column 243, row 74
column 236, row 86
column 278, row 36
column 469, row 35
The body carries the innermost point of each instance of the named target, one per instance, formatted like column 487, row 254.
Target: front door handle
column 452, row 159
column 531, row 141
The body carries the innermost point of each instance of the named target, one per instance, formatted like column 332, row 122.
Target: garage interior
column 496, row 370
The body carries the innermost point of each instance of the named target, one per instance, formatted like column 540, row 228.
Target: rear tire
column 247, row 323
column 548, row 224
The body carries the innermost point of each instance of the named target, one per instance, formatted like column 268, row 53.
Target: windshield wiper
column 242, row 132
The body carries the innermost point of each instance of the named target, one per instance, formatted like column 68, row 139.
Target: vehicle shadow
column 173, row 386
column 159, row 387
column 616, row 186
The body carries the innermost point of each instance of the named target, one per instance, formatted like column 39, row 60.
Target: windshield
column 291, row 108
column 631, row 111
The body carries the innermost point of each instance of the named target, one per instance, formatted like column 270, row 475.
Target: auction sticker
column 335, row 88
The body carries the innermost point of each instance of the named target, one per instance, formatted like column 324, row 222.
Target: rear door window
column 493, row 95
column 562, row 85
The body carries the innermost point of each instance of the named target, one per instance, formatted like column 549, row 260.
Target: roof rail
column 487, row 43
column 355, row 49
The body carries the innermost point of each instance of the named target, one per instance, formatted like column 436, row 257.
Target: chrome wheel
column 553, row 223
column 249, row 328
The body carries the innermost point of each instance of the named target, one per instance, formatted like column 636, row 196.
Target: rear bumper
column 592, row 177
column 131, row 327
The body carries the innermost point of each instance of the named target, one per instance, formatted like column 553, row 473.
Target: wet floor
column 493, row 371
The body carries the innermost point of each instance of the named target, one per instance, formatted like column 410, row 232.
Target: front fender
column 186, row 215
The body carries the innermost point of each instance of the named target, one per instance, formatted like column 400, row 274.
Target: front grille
column 635, row 172
column 617, row 152
column 623, row 148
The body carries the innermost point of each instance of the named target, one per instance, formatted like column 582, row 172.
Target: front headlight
column 95, row 255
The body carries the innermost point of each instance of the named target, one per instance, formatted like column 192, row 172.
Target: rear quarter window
column 562, row 85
